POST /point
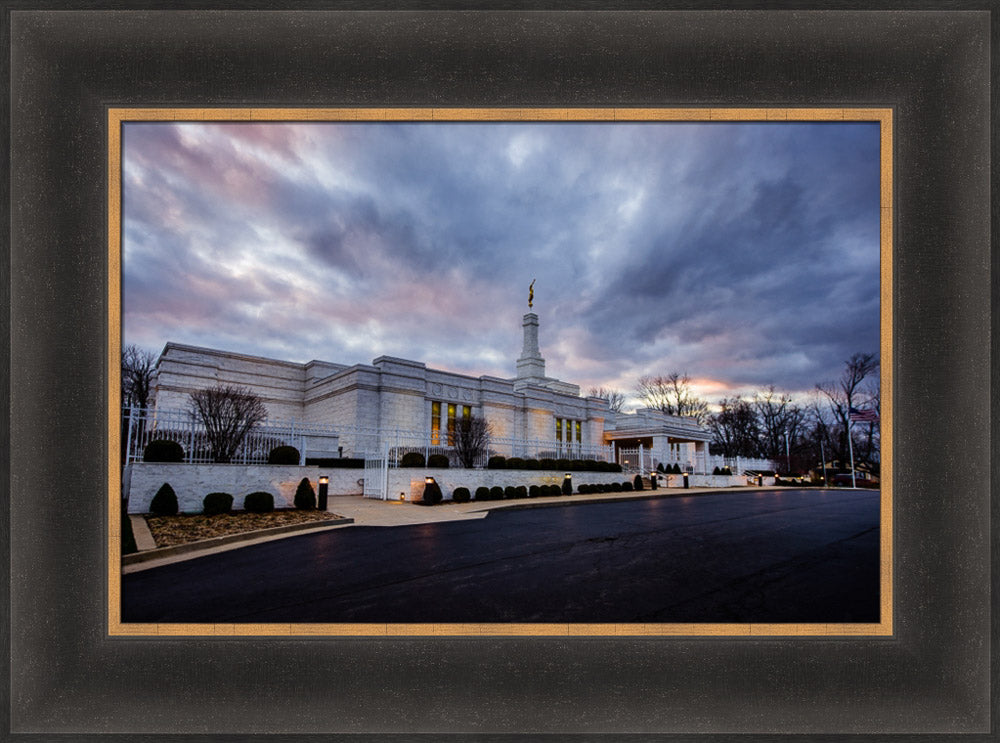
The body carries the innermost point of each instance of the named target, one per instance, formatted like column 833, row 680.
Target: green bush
column 677, row 469
column 637, row 482
column 482, row 493
column 432, row 494
column 659, row 468
column 564, row 464
column 515, row 463
column 716, row 471
column 567, row 486
column 283, row 455
column 305, row 496
column 509, row 492
column 164, row 503
column 555, row 490
column 461, row 495
column 616, row 487
column 534, row 491
column 216, row 503
column 496, row 463
column 585, row 489
column 727, row 471
column 163, row 450
column 547, row 464
column 258, row 502
column 531, row 464
column 577, row 465
column 439, row 461
column 522, row 491
column 626, row 487
column 496, row 493
column 412, row 459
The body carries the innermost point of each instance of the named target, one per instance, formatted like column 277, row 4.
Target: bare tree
column 672, row 395
column 228, row 413
column 780, row 421
column 735, row 432
column 472, row 439
column 615, row 398
column 849, row 392
column 138, row 368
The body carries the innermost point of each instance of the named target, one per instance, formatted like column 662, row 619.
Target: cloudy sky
column 741, row 254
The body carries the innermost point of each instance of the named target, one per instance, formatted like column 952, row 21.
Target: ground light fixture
column 324, row 482
column 567, row 486
column 686, row 480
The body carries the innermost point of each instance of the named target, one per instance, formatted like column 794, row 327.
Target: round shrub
column 534, row 491
column 461, row 495
column 216, row 503
column 547, row 464
column 163, row 450
column 509, row 492
column 432, row 494
column 659, row 468
column 305, row 496
column 616, row 487
column 716, row 471
column 522, row 491
column 283, row 455
column 530, row 464
column 626, row 487
column 637, row 483
column 515, row 463
column 496, row 493
column 496, row 463
column 482, row 493
column 584, row 489
column 412, row 459
column 164, row 503
column 615, row 467
column 259, row 502
column 555, row 490
column 439, row 461
column 677, row 469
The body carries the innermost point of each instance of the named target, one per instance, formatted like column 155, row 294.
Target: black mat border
column 67, row 677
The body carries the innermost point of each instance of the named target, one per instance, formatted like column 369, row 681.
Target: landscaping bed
column 173, row 530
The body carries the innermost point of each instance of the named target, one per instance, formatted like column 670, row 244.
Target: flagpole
column 850, row 446
column 822, row 456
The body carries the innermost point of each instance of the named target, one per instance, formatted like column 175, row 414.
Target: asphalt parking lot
column 733, row 556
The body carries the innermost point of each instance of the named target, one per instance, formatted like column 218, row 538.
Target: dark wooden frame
column 932, row 676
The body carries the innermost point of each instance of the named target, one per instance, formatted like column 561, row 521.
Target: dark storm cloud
column 741, row 253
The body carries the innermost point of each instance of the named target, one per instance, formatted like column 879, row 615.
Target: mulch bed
column 171, row 530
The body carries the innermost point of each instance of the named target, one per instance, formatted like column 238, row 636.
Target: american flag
column 863, row 416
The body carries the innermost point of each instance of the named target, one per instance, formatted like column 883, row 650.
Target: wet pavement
column 743, row 556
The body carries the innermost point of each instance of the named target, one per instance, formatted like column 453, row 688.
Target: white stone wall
column 410, row 481
column 192, row 482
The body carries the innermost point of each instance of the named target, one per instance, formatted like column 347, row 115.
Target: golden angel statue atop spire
column 531, row 293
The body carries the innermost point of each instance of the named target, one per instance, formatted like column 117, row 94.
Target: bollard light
column 324, row 482
column 567, row 486
column 685, row 479
column 428, row 481
column 402, row 497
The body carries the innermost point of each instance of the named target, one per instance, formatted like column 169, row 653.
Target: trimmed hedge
column 412, row 459
column 432, row 495
column 305, row 496
column 482, row 493
column 496, row 463
column 437, row 461
column 283, row 455
column 531, row 464
column 496, row 493
column 509, row 492
column 616, row 487
column 522, row 491
column 164, row 503
column 626, row 487
column 216, row 503
column 163, row 450
column 461, row 495
column 547, row 464
column 637, row 483
column 258, row 502
column 534, row 491
column 515, row 463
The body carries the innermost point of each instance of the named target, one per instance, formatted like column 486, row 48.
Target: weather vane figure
column 531, row 293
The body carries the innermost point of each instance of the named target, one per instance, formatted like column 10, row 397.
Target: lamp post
column 567, row 486
column 324, row 482
column 686, row 485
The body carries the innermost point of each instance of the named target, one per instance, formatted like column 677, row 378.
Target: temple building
column 406, row 401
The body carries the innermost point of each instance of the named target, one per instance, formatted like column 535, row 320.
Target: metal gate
column 377, row 475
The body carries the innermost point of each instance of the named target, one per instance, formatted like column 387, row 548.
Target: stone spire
column 531, row 365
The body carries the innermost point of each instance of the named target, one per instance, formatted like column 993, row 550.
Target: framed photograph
column 915, row 666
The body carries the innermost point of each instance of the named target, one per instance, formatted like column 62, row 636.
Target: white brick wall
column 192, row 482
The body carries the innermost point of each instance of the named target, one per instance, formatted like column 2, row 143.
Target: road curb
column 137, row 558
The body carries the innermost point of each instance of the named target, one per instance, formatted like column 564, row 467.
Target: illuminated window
column 451, row 424
column 579, row 437
column 559, row 429
column 435, row 423
column 466, row 412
